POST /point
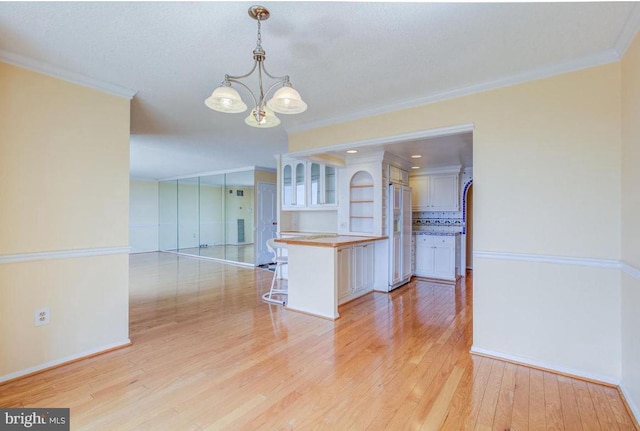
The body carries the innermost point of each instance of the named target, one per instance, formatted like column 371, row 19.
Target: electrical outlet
column 41, row 316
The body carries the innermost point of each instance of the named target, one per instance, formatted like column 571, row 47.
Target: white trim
column 403, row 137
column 65, row 75
column 603, row 57
column 64, row 360
column 631, row 270
column 213, row 259
column 628, row 32
column 313, row 312
column 546, row 365
column 560, row 260
column 205, row 174
column 62, row 254
column 629, row 399
column 443, row 170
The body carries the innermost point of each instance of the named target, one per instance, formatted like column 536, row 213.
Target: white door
column 267, row 221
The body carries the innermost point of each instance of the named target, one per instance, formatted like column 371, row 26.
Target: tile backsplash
column 445, row 220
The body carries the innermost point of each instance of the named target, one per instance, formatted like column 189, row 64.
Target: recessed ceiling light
column 415, row 167
column 352, row 151
column 416, row 156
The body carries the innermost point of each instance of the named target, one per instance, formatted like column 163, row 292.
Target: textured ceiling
column 347, row 60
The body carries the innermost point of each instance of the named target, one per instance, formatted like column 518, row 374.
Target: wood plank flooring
column 208, row 354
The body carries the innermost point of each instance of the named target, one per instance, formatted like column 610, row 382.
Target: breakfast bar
column 327, row 270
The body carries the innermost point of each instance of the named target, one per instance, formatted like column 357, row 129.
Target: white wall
column 143, row 216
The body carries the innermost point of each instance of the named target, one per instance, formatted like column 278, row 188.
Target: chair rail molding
column 62, row 254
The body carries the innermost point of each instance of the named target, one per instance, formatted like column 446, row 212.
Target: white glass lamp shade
column 225, row 99
column 287, row 101
column 269, row 119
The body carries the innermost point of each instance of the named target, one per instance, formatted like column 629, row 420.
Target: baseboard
column 63, row 361
column 544, row 366
column 633, row 409
column 312, row 313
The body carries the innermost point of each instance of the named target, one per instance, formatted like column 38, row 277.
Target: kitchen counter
column 329, row 240
column 325, row 270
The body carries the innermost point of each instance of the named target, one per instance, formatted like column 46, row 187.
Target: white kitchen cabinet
column 436, row 257
column 356, row 265
column 345, row 256
column 322, row 185
column 437, row 192
column 329, row 184
column 308, row 185
column 398, row 175
column 293, row 185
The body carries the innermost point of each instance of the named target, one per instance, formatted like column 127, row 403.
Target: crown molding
column 65, row 75
column 628, row 32
column 209, row 173
column 603, row 57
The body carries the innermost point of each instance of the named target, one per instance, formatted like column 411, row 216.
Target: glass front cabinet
column 308, row 185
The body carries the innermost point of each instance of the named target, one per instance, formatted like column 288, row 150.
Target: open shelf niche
column 361, row 202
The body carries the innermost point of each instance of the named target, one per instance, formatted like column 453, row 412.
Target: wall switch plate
column 41, row 316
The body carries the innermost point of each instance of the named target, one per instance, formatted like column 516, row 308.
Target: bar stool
column 274, row 295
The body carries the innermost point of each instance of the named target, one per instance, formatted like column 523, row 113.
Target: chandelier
column 285, row 100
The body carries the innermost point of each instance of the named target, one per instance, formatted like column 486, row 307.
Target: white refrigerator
column 399, row 235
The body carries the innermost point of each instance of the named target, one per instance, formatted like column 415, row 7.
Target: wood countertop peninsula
column 328, row 240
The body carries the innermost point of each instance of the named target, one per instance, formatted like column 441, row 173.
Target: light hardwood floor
column 209, row 354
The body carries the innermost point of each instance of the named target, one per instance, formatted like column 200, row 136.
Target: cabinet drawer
column 422, row 240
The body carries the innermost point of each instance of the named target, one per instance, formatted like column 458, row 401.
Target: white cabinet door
column 443, row 192
column 287, row 185
column 369, row 266
column 436, row 257
column 424, row 256
column 419, row 191
column 396, row 259
column 315, row 184
column 330, row 185
column 357, row 273
column 437, row 192
column 444, row 262
column 344, row 272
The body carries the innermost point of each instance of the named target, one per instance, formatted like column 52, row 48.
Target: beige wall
column 631, row 225
column 64, row 185
column 547, row 182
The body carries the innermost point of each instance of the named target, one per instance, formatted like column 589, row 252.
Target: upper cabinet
column 308, row 185
column 293, row 184
column 398, row 175
column 436, row 192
